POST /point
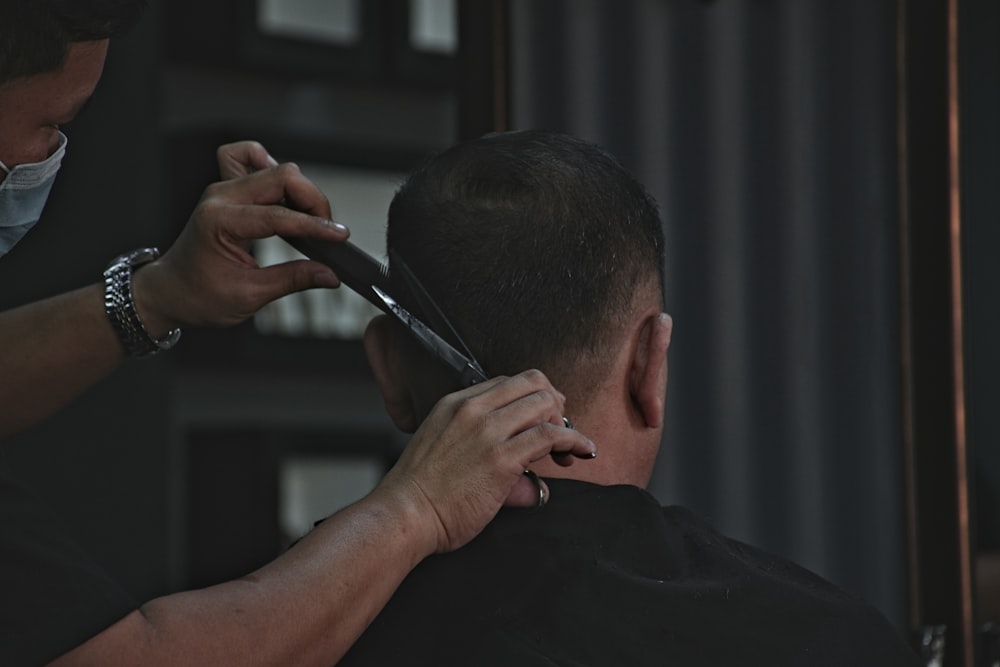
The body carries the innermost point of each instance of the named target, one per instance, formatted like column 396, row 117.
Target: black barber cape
column 603, row 576
column 52, row 597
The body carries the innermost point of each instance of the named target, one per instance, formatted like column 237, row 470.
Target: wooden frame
column 410, row 66
column 936, row 453
column 301, row 57
column 484, row 69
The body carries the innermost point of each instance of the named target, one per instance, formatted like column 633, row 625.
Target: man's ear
column 648, row 381
column 386, row 362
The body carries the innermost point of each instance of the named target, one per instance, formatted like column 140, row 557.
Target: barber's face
column 33, row 108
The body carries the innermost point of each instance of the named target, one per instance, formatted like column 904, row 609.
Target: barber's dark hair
column 35, row 34
column 533, row 243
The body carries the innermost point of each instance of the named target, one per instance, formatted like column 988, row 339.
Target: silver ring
column 542, row 498
column 567, row 423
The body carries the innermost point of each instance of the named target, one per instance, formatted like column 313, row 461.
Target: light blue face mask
column 23, row 195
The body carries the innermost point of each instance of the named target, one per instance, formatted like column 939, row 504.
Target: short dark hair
column 35, row 34
column 534, row 244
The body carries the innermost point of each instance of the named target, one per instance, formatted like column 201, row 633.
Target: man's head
column 51, row 57
column 544, row 252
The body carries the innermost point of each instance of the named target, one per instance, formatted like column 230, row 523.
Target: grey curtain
column 766, row 131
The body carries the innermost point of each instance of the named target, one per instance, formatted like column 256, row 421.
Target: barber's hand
column 209, row 277
column 468, row 457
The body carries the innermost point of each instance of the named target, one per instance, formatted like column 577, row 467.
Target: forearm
column 309, row 605
column 51, row 351
column 305, row 608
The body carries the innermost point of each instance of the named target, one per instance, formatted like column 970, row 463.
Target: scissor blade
column 430, row 310
column 467, row 370
column 355, row 268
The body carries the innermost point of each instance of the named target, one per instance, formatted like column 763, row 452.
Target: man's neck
column 626, row 450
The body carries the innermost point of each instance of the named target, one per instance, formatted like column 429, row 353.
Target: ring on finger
column 542, row 496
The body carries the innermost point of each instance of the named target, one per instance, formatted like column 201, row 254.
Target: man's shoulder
column 604, row 575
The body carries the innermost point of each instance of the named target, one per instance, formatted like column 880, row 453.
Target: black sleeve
column 52, row 596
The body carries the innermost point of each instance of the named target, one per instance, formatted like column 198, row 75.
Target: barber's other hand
column 209, row 277
column 468, row 457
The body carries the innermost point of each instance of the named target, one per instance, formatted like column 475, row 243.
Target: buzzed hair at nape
column 534, row 244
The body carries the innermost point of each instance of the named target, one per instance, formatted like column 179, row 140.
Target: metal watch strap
column 120, row 307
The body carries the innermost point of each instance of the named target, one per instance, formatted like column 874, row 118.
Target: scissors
column 370, row 278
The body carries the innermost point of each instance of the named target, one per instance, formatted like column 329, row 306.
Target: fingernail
column 325, row 279
column 271, row 162
column 339, row 226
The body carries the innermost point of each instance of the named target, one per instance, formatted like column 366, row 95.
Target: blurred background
column 827, row 172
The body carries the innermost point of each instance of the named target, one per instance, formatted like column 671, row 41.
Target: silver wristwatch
column 120, row 307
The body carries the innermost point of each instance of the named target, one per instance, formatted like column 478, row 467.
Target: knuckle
column 555, row 434
column 288, row 170
column 466, row 407
column 549, row 432
column 446, row 406
column 208, row 210
column 534, row 376
column 471, row 411
column 544, row 399
column 546, row 429
column 213, row 191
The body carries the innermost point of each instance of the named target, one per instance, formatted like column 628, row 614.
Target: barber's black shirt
column 52, row 596
column 604, row 576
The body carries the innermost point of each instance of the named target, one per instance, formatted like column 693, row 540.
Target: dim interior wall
column 766, row 131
